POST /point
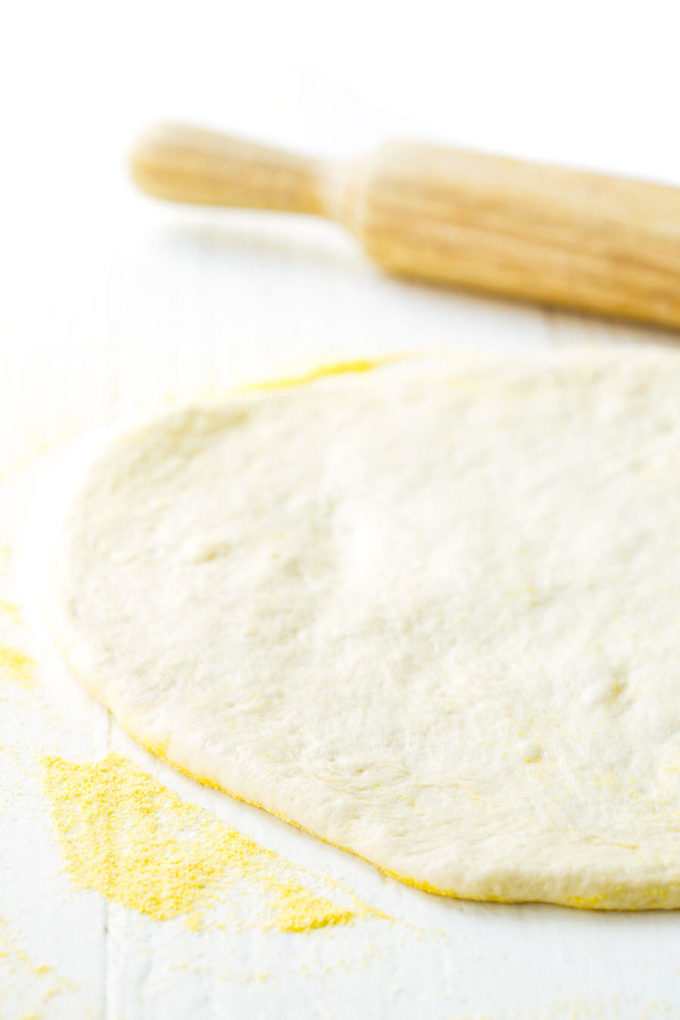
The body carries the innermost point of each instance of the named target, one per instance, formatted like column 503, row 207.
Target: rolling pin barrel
column 588, row 241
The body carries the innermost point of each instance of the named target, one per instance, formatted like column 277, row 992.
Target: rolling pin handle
column 187, row 164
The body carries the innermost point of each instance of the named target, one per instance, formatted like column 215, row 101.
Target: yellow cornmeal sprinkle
column 45, row 982
column 296, row 909
column 11, row 609
column 135, row 841
column 335, row 368
column 17, row 664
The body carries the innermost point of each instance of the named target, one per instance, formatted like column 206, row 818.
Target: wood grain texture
column 587, row 241
column 187, row 164
column 582, row 240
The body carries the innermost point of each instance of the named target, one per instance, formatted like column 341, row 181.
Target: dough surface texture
column 429, row 612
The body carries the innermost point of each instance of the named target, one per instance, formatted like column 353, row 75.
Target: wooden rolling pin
column 590, row 241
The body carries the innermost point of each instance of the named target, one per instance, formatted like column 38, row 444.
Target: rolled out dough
column 430, row 613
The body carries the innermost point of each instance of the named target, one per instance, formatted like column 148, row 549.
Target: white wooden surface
column 111, row 304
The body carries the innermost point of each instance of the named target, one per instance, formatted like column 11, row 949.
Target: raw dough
column 430, row 613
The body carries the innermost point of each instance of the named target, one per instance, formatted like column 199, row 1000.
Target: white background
column 111, row 303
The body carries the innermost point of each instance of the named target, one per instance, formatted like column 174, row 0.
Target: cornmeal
column 138, row 843
column 17, row 665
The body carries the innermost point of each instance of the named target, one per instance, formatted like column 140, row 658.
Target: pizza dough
column 429, row 612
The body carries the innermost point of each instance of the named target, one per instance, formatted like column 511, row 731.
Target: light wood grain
column 187, row 164
column 584, row 240
column 587, row 241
